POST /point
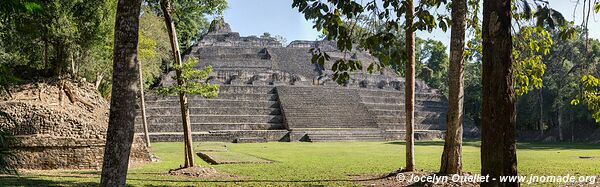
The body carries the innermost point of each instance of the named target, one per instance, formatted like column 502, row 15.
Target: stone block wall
column 49, row 152
column 59, row 137
column 322, row 107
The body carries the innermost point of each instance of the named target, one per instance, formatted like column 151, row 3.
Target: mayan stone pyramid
column 271, row 92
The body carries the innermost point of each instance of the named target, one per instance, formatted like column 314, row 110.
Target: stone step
column 384, row 112
column 334, row 129
column 398, row 94
column 220, row 136
column 332, row 138
column 344, row 133
column 331, row 119
column 402, row 126
column 418, row 107
column 399, row 99
column 231, row 96
column 247, row 89
column 213, row 111
column 307, row 124
column 418, row 119
column 198, row 127
column 215, row 103
column 319, row 111
column 359, row 134
column 215, row 119
column 419, row 134
column 196, row 136
column 250, row 140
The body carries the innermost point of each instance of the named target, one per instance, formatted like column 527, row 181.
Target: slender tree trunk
column 451, row 157
column 57, row 65
column 571, row 124
column 541, row 122
column 409, row 98
column 560, row 133
column 46, row 55
column 72, row 65
column 498, row 148
column 143, row 107
column 99, row 77
column 185, row 113
column 124, row 91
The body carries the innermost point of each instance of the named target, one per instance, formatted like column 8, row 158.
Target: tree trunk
column 541, row 122
column 560, row 133
column 571, row 124
column 409, row 98
column 45, row 55
column 73, row 72
column 124, row 91
column 99, row 77
column 498, row 148
column 58, row 62
column 451, row 157
column 143, row 107
column 185, row 113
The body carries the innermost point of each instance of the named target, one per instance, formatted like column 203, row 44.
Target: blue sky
column 254, row 17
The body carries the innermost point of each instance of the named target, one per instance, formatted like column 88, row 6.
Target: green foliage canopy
column 340, row 21
column 529, row 47
column 193, row 81
column 190, row 18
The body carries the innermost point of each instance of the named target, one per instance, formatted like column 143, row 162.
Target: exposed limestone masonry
column 315, row 107
column 50, row 135
column 273, row 92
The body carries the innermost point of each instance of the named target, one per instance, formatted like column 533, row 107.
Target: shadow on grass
column 32, row 181
column 86, row 172
column 256, row 180
column 471, row 143
column 539, row 145
column 520, row 145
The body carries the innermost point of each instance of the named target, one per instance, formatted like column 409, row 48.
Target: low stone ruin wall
column 224, row 136
column 391, row 135
column 50, row 152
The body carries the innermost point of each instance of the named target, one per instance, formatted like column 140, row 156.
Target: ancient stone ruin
column 272, row 92
column 54, row 133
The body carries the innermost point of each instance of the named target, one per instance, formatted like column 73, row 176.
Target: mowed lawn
column 330, row 164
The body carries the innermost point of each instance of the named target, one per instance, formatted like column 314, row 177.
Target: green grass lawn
column 331, row 164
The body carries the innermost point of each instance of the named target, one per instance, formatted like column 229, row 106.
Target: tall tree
column 452, row 155
column 190, row 18
column 409, row 88
column 143, row 106
column 124, row 91
column 165, row 5
column 48, row 34
column 498, row 148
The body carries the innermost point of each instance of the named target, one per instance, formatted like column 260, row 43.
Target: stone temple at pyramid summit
column 271, row 92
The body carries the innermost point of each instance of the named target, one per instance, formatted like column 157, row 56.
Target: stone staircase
column 294, row 113
column 327, row 114
column 236, row 112
column 338, row 134
column 387, row 107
